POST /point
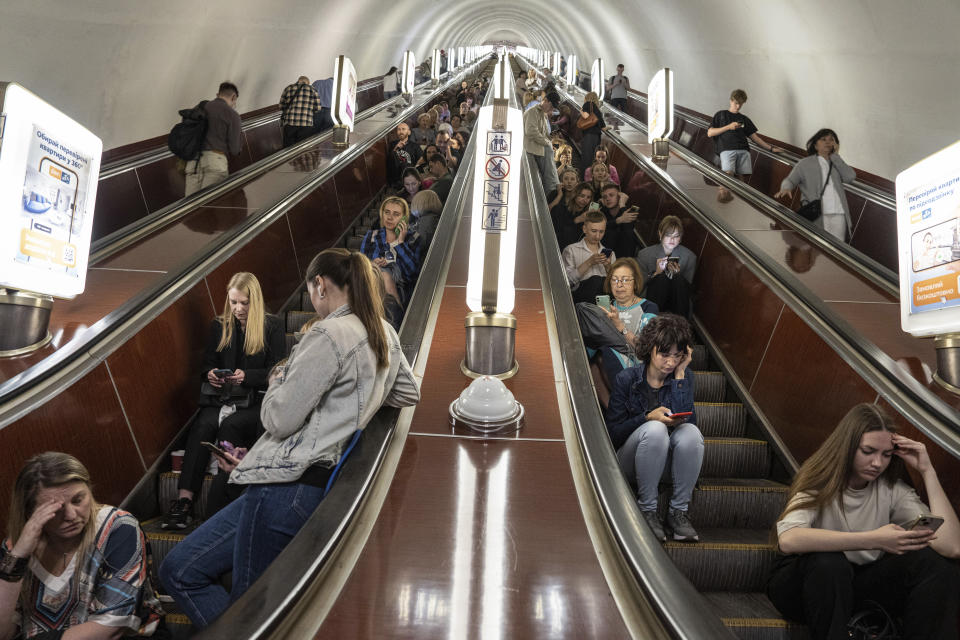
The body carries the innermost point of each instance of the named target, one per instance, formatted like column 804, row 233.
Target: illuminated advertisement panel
column 660, row 111
column 49, row 167
column 928, row 235
column 345, row 92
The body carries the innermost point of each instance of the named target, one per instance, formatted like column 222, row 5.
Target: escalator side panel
column 119, row 203
column 161, row 182
column 353, row 186
column 98, row 435
column 271, row 257
column 309, row 236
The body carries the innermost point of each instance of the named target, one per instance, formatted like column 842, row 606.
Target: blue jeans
column 244, row 537
column 644, row 456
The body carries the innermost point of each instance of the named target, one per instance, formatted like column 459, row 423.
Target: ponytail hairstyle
column 353, row 272
column 254, row 340
column 823, row 477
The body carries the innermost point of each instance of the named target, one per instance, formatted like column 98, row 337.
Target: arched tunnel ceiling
column 881, row 72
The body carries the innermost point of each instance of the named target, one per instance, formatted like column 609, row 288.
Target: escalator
column 789, row 370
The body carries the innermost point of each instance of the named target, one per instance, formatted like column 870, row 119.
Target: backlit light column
column 597, row 78
column 407, row 81
column 572, row 70
column 435, row 67
column 496, row 200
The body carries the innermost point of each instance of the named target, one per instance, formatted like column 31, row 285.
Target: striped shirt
column 299, row 102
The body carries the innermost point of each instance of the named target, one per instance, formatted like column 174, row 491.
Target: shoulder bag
column 590, row 121
column 228, row 394
column 811, row 211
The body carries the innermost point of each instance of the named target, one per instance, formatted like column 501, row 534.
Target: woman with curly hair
column 651, row 418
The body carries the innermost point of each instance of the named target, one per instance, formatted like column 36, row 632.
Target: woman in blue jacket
column 651, row 417
column 394, row 249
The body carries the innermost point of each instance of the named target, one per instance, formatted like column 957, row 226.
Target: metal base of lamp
column 24, row 317
column 341, row 135
column 948, row 362
column 661, row 150
column 491, row 339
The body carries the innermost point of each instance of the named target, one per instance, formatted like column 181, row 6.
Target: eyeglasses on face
column 623, row 280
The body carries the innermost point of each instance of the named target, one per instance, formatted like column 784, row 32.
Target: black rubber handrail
column 31, row 388
column 682, row 610
column 265, row 605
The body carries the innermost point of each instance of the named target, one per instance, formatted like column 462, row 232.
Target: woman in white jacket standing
column 343, row 370
column 811, row 173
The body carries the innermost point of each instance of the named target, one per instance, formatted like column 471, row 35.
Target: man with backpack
column 298, row 103
column 218, row 122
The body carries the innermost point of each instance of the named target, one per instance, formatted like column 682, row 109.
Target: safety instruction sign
column 49, row 167
column 928, row 226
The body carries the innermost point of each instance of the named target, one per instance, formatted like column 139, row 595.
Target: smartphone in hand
column 603, row 302
column 682, row 414
column 926, row 522
column 222, row 373
column 214, row 449
column 606, row 252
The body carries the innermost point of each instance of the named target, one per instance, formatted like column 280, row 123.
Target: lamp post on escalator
column 660, row 115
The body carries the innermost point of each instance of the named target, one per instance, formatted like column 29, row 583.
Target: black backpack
column 186, row 138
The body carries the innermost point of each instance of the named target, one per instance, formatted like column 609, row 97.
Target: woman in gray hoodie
column 346, row 366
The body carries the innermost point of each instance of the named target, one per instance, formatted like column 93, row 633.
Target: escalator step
column 711, row 387
column 296, row 319
column 353, row 243
column 179, row 626
column 735, row 458
column 751, row 616
column 721, row 419
column 700, row 358
column 290, row 339
column 305, row 304
column 167, row 492
column 725, row 559
column 162, row 541
column 733, row 503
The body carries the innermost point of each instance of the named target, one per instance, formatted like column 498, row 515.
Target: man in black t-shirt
column 731, row 130
column 405, row 153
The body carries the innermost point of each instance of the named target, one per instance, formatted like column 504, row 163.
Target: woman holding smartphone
column 628, row 313
column 651, row 418
column 846, row 534
column 346, row 366
column 669, row 268
column 243, row 344
column 394, row 249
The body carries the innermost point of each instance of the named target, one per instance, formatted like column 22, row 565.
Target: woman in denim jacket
column 346, row 366
column 641, row 427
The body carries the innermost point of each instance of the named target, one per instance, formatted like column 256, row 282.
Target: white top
column 830, row 203
column 875, row 506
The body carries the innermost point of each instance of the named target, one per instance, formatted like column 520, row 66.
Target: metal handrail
column 863, row 189
column 681, row 608
column 128, row 163
column 258, row 612
column 24, row 392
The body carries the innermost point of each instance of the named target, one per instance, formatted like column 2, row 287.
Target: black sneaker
column 180, row 514
column 653, row 521
column 679, row 523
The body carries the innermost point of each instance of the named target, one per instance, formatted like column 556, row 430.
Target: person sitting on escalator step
column 669, row 268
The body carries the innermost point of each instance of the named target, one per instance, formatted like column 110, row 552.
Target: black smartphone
column 926, row 522
column 675, row 259
column 605, row 251
column 222, row 373
column 214, row 449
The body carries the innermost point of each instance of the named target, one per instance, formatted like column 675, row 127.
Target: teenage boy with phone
column 620, row 221
column 731, row 130
column 586, row 261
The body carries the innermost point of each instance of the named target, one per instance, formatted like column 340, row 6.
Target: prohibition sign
column 497, row 167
